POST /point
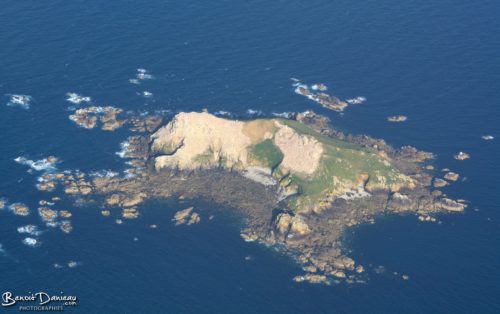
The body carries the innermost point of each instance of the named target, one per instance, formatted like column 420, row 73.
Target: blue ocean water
column 435, row 61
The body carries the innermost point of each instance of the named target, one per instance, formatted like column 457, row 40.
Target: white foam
column 356, row 101
column 222, row 113
column 77, row 99
column 29, row 229
column 73, row 264
column 144, row 76
column 299, row 87
column 23, row 101
column 286, row 115
column 134, row 81
column 124, row 149
column 253, row 112
column 104, row 174
column 52, row 224
column 147, row 94
column 320, row 87
column 488, row 137
column 129, row 173
column 31, row 242
column 352, row 194
column 38, row 165
column 163, row 112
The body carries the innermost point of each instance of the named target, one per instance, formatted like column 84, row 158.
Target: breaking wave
column 29, row 229
column 77, row 99
column 45, row 164
column 23, row 101
column 31, row 242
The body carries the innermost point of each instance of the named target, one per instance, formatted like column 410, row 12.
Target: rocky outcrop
column 186, row 216
column 20, row 209
column 291, row 226
column 450, row 205
column 461, row 156
column 452, row 176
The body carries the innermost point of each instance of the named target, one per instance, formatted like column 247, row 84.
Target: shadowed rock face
column 310, row 233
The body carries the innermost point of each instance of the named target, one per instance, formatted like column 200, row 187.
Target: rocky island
column 297, row 182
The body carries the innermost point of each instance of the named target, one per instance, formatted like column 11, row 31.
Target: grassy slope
column 266, row 154
column 341, row 159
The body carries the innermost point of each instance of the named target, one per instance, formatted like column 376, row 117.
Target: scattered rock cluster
column 186, row 216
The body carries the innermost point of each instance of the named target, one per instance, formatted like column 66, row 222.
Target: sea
column 436, row 62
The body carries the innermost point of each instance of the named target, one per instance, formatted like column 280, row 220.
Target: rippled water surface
column 436, row 62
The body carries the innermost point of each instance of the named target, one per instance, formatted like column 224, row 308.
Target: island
column 298, row 183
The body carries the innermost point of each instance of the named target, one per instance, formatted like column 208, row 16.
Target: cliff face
column 312, row 170
column 201, row 140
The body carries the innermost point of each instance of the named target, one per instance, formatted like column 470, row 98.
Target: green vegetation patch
column 266, row 154
column 342, row 159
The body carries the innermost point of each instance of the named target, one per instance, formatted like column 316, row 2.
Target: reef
column 298, row 183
